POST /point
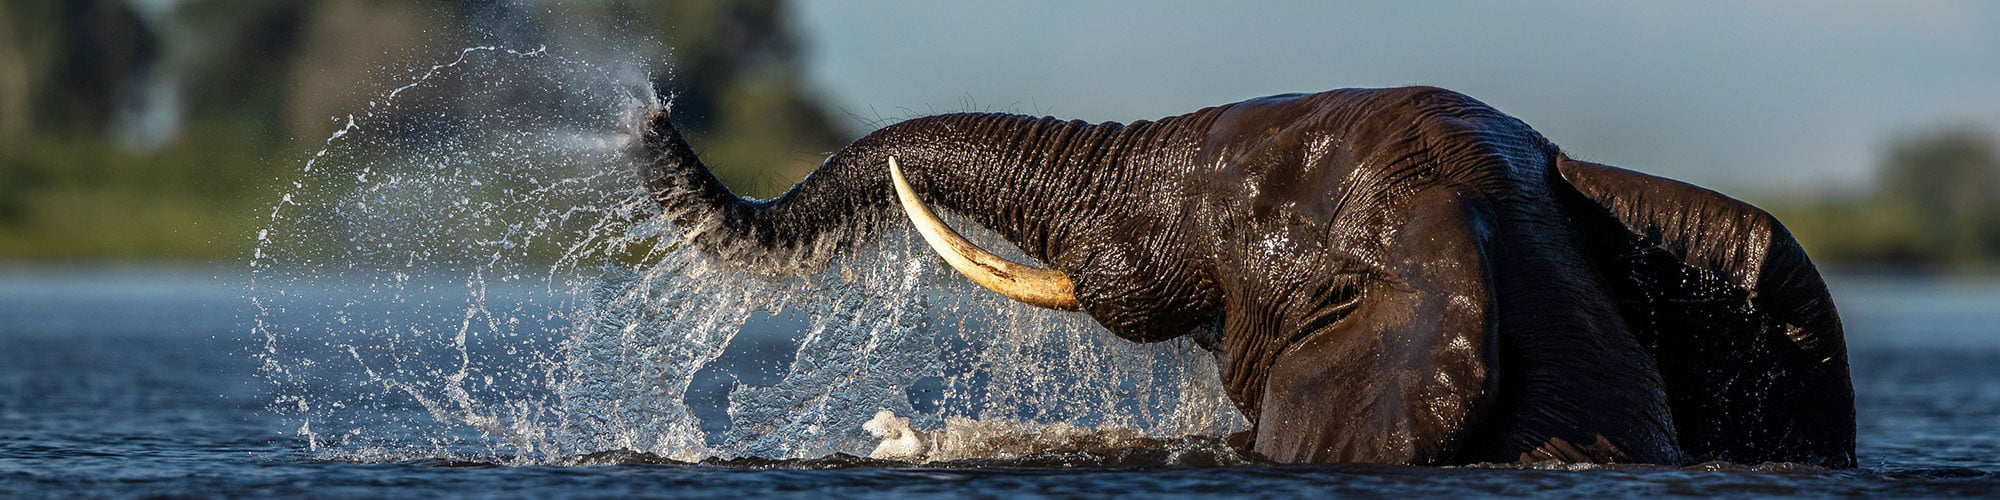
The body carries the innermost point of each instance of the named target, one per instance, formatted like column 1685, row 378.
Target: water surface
column 145, row 382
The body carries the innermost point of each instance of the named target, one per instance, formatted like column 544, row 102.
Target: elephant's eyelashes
column 1042, row 287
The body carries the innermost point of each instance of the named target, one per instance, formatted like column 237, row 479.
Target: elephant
column 1395, row 276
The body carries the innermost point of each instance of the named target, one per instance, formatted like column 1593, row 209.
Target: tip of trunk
column 793, row 234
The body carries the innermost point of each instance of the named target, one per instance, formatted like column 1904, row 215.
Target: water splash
column 468, row 268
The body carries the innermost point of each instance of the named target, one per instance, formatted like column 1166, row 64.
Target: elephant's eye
column 1208, row 334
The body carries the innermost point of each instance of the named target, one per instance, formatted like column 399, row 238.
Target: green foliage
column 1936, row 203
column 255, row 82
column 85, row 198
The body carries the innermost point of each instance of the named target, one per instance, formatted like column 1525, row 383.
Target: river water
column 141, row 382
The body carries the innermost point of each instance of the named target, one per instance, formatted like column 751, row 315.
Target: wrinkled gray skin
column 1387, row 275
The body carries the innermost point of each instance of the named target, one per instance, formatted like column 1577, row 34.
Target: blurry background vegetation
column 159, row 130
column 1934, row 205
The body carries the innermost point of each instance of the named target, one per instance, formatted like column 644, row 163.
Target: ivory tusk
column 1033, row 285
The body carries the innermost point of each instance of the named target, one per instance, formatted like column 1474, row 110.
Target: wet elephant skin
column 1395, row 275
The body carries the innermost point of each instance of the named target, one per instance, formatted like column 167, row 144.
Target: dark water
column 131, row 383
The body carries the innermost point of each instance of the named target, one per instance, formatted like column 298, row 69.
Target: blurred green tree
column 1941, row 191
column 64, row 65
column 157, row 130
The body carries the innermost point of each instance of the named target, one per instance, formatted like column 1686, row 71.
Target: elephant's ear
column 1396, row 365
column 1738, row 319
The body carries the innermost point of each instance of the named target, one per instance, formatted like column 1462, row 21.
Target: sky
column 1775, row 97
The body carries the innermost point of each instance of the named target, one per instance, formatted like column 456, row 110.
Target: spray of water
column 468, row 268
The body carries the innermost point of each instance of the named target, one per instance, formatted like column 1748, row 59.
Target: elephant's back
column 1341, row 157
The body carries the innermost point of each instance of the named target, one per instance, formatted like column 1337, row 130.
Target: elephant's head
column 1395, row 275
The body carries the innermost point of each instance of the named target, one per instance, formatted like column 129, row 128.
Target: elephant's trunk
column 1025, row 178
column 753, row 234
